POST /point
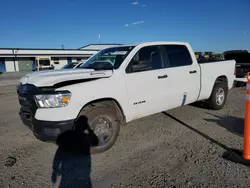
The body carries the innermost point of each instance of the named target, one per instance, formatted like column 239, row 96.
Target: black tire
column 107, row 111
column 236, row 84
column 212, row 101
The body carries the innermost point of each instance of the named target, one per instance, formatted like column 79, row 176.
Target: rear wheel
column 218, row 98
column 104, row 121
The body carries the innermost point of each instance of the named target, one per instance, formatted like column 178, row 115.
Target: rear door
column 183, row 83
column 146, row 82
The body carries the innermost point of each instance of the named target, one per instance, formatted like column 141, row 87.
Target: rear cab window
column 176, row 56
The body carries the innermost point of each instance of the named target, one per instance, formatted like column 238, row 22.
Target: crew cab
column 118, row 85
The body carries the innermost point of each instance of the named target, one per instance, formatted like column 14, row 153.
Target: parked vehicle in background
column 72, row 65
column 198, row 54
column 118, row 85
column 206, row 57
column 44, row 63
column 242, row 58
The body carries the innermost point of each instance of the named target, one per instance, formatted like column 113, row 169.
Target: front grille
column 25, row 95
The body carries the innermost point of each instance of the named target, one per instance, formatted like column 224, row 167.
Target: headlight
column 52, row 100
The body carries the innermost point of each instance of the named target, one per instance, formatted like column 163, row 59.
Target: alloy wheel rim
column 220, row 96
column 102, row 127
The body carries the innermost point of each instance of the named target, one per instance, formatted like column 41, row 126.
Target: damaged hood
column 51, row 77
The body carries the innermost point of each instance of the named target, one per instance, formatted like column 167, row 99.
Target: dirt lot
column 180, row 148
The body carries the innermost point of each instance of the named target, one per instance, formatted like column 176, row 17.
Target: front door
column 145, row 78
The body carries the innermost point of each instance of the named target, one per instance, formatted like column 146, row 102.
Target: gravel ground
column 179, row 148
column 11, row 78
column 12, row 75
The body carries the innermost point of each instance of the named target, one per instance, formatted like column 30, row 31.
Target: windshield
column 110, row 58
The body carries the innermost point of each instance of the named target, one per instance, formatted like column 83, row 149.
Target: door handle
column 193, row 72
column 163, row 76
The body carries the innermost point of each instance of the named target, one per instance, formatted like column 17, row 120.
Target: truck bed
column 208, row 61
column 210, row 72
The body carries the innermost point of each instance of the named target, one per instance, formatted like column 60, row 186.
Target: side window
column 176, row 56
column 147, row 58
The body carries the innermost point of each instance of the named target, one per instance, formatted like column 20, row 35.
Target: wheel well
column 108, row 101
column 222, row 79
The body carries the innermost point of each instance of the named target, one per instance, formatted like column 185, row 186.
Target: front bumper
column 46, row 131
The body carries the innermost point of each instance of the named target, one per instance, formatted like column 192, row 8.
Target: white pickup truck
column 118, row 85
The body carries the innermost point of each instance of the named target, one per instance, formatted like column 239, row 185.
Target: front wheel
column 218, row 98
column 104, row 123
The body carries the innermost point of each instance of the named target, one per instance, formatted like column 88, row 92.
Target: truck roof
column 153, row 43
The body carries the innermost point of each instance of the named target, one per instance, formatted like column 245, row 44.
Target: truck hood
column 51, row 77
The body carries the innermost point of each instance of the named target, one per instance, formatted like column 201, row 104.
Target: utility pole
column 62, row 46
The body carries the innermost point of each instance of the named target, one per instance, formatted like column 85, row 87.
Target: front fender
column 85, row 93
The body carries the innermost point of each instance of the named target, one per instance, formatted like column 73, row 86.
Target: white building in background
column 30, row 59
